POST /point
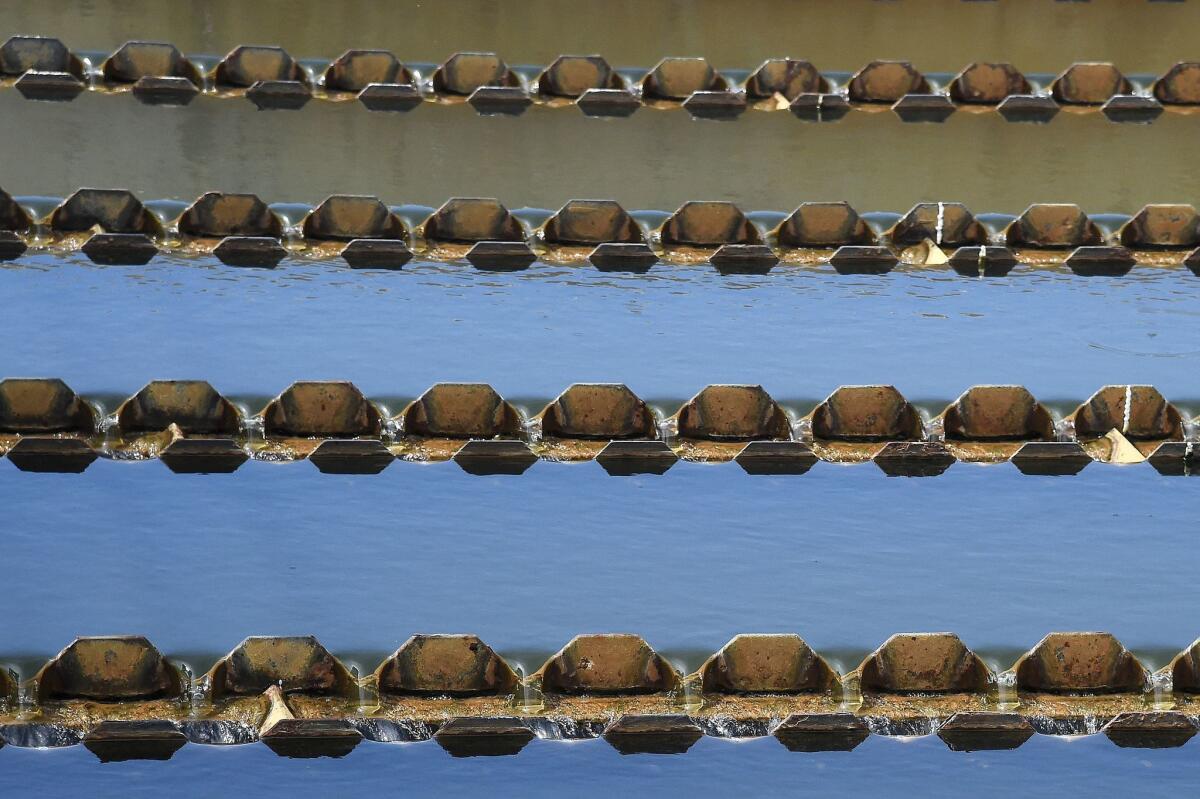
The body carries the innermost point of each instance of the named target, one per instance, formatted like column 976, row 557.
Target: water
column 799, row 332
column 1043, row 767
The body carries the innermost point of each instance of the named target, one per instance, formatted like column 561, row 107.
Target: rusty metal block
column 1087, row 662
column 977, row 731
column 744, row 259
column 247, row 65
column 53, row 86
column 133, row 249
column 626, row 458
column 252, row 251
column 680, row 78
column 1175, row 459
column 12, row 216
column 463, row 73
column 598, row 411
column 623, row 257
column 1150, row 730
column 946, row 224
column 914, row 458
column 108, row 669
column 113, row 741
column 376, row 254
column 1131, row 108
column 1034, row 108
column 823, row 225
column 923, row 663
column 21, row 54
column 854, row 259
column 1100, row 261
column 660, row 734
column 867, row 413
column 924, row 108
column 152, row 90
column 505, row 100
column 488, row 457
column 461, row 410
column 297, row 664
column 51, row 454
column 733, row 413
column 1139, row 412
column 334, row 408
column 306, row 738
column 985, row 261
column 199, row 455
column 390, row 97
column 822, row 732
column 471, row 219
column 43, row 405
column 112, row 210
column 776, row 457
column 608, row 103
column 445, row 665
column 1185, row 670
column 476, row 737
column 997, row 413
column 137, row 60
column 219, row 214
column 886, row 82
column 1180, row 85
column 193, row 405
column 351, row 456
column 501, row 256
column 817, row 107
column 1089, row 83
column 607, row 664
column 724, row 105
column 1162, row 226
column 281, row 95
column 1051, row 458
column 355, row 70
column 572, row 75
column 591, row 222
column 709, row 224
column 787, row 77
column 778, row 664
column 987, row 83
column 345, row 217
column 1052, row 226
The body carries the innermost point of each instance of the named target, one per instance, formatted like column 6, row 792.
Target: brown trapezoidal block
column 152, row 90
column 306, row 738
column 664, row 734
column 817, row 107
column 923, row 663
column 351, row 456
column 886, row 82
column 1139, row 412
column 824, row 224
column 715, row 105
column 776, row 457
column 623, row 257
column 914, row 458
column 822, row 732
column 473, row 219
column 1100, row 261
column 779, row 663
column 120, row 249
column 680, row 78
column 866, row 413
column 12, row 216
column 136, row 60
column 345, row 217
column 977, row 731
column 1088, row 662
column 997, row 413
column 608, row 103
column 117, row 741
column 355, row 70
column 193, row 405
column 445, row 665
column 43, row 405
column 296, row 664
column 855, row 259
column 1180, row 85
column 1028, row 108
column 1054, row 458
column 282, row 95
column 1131, row 108
column 489, row 457
column 202, row 455
column 219, row 214
column 626, row 458
column 51, row 454
column 506, row 100
column 21, row 54
column 733, row 413
column 12, row 246
column 924, row 108
column 376, row 254
column 987, row 83
column 598, row 411
column 334, row 408
column 461, row 410
column 591, row 222
column 709, row 224
column 260, row 251
column 607, row 664
column 572, row 75
column 1176, row 458
column 1053, row 226
column 1150, row 730
column 390, row 97
column 112, row 210
column 787, row 77
column 1162, row 226
column 463, row 73
column 247, row 65
column 482, row 737
column 500, row 256
column 946, row 224
column 1185, row 670
column 108, row 669
column 986, row 261
column 1089, row 83
column 53, row 86
column 744, row 259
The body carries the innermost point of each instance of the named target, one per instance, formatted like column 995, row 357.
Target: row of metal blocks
column 122, row 698
column 157, row 73
column 46, row 426
column 112, row 226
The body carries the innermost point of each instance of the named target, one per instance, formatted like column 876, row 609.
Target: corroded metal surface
column 46, row 426
column 123, row 699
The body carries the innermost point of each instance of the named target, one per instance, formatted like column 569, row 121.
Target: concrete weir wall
column 123, row 699
column 190, row 427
